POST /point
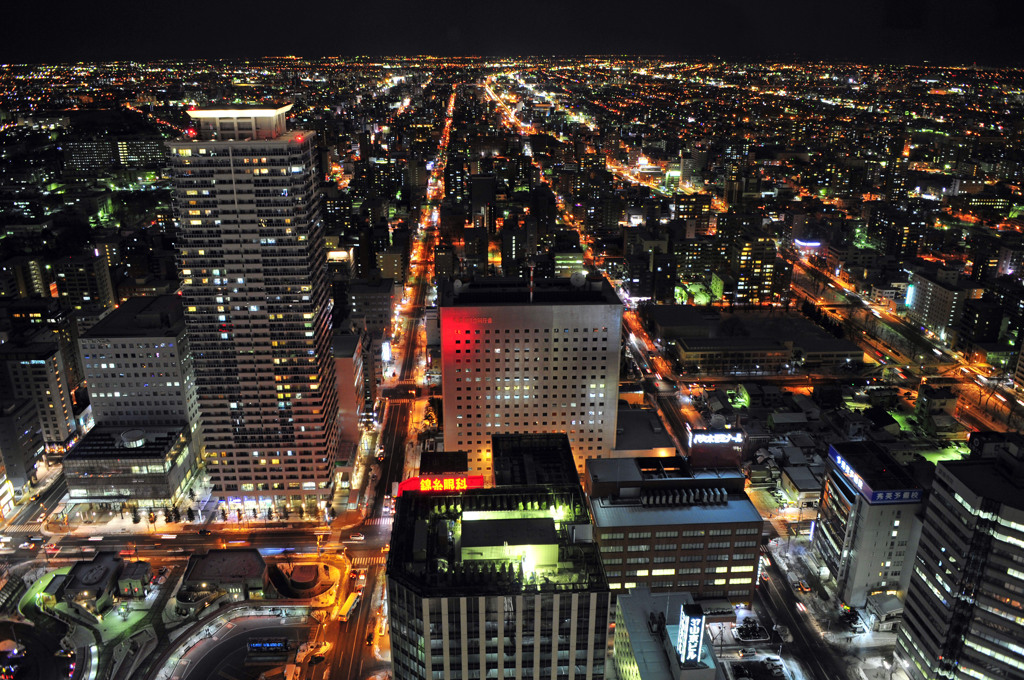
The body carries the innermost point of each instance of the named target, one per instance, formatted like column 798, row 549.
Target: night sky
column 986, row 32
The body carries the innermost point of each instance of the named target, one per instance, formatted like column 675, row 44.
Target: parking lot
column 760, row 667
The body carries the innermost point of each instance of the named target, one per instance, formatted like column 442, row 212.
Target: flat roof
column 228, row 564
column 430, row 530
column 875, row 466
column 345, row 344
column 609, row 513
column 443, row 462
column 527, row 458
column 110, row 442
column 641, row 428
column 492, row 532
column 515, row 291
column 156, row 316
column 988, row 479
column 240, row 111
column 649, row 649
column 802, row 477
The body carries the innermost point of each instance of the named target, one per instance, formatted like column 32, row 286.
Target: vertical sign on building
column 691, row 633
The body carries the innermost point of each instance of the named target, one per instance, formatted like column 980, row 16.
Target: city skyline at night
column 613, row 367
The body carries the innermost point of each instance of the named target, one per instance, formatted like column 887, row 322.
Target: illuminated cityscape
column 457, row 368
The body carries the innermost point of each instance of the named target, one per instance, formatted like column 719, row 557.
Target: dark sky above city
column 944, row 31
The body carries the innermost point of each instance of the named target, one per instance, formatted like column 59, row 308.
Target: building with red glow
column 517, row 358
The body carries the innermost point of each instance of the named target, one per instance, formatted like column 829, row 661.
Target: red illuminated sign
column 441, row 484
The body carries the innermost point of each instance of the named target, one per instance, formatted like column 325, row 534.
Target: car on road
column 747, row 651
column 316, row 658
column 34, row 497
column 804, row 587
column 27, row 546
column 778, row 673
column 204, row 532
column 356, row 537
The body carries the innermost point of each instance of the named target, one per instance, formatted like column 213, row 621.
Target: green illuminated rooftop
column 500, row 541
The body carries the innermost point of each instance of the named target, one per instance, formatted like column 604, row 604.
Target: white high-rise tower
column 257, row 305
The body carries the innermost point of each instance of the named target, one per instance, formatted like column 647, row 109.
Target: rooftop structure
column 503, row 555
column 661, row 636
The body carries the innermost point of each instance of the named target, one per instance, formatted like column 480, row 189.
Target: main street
column 781, row 604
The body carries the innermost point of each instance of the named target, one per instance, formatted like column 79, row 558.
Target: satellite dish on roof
column 578, row 279
column 458, row 285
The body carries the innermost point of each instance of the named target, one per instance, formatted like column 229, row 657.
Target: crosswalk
column 22, row 529
column 379, row 521
column 368, row 561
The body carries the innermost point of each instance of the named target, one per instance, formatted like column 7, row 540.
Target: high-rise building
column 937, row 301
column 352, row 391
column 36, row 372
column 501, row 582
column 867, row 529
column 962, row 614
column 139, row 368
column 84, row 280
column 530, row 358
column 257, row 305
column 752, row 260
column 21, row 445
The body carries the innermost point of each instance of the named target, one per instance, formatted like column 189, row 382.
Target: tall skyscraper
column 962, row 615
column 257, row 304
column 524, row 358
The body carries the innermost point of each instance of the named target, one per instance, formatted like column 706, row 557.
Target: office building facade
column 139, row 368
column 36, row 372
column 963, row 611
column 257, row 305
column 867, row 528
column 661, row 526
column 522, row 358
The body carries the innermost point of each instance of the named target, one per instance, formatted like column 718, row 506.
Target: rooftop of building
column 803, row 478
column 876, row 467
column 487, row 292
column 94, row 574
column 251, row 109
column 232, row 565
column 662, row 510
column 652, row 624
column 346, row 344
column 160, row 316
column 1000, row 479
column 371, row 286
column 656, row 470
column 105, row 441
column 533, row 459
column 639, row 429
column 726, row 344
column 28, row 351
column 434, row 534
column 443, row 462
column 684, row 315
